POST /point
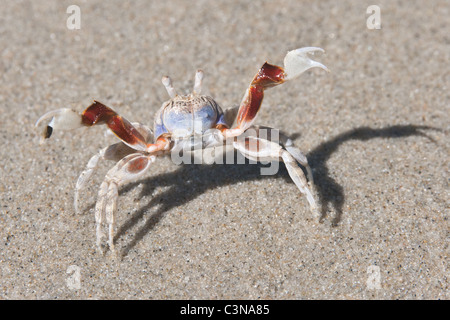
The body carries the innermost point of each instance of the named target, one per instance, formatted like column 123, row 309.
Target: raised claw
column 98, row 113
column 297, row 61
column 65, row 119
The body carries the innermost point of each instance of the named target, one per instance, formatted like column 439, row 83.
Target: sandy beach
column 375, row 130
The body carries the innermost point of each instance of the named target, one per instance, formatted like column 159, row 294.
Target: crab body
column 185, row 116
column 179, row 122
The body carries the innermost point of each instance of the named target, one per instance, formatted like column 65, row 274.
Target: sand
column 375, row 130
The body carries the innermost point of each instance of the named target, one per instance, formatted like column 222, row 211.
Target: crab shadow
column 190, row 181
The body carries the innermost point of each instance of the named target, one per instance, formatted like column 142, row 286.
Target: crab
column 176, row 124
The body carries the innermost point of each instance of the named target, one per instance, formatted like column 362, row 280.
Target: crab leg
column 287, row 144
column 98, row 113
column 255, row 148
column 126, row 170
column 299, row 179
column 295, row 63
column 86, row 174
column 114, row 152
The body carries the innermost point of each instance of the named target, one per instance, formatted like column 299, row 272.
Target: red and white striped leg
column 295, row 63
column 98, row 113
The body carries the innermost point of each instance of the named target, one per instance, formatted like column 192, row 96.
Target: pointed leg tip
column 100, row 250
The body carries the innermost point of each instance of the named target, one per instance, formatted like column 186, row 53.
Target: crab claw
column 65, row 119
column 297, row 61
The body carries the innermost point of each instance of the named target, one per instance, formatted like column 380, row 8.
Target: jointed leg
column 295, row 63
column 114, row 152
column 256, row 148
column 98, row 113
column 296, row 174
column 277, row 136
column 128, row 169
column 297, row 154
column 86, row 174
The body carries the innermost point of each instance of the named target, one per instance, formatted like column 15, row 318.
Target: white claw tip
column 298, row 61
column 64, row 119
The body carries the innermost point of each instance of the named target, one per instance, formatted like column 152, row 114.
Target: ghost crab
column 179, row 120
